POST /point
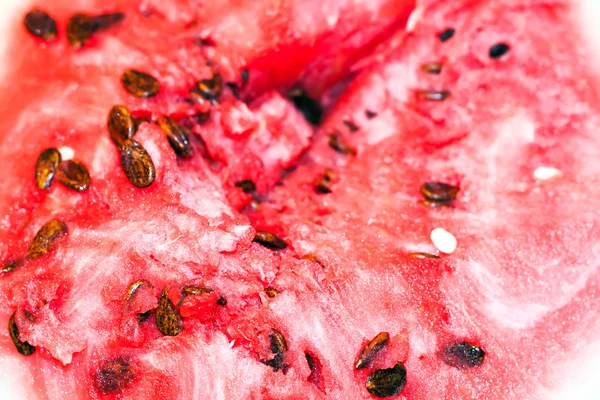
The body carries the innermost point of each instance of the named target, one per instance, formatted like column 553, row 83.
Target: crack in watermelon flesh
column 514, row 300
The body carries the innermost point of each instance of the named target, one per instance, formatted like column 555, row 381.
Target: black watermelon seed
column 143, row 317
column 310, row 108
column 352, row 127
column 336, row 143
column 498, row 50
column 462, row 355
column 74, row 175
column 112, row 376
column 222, row 301
column 168, row 319
column 46, row 238
column 446, row 35
column 140, row 84
column 41, row 25
column 246, row 185
column 439, row 191
column 178, row 135
column 23, row 348
column 269, row 240
column 46, row 167
column 137, row 164
column 387, row 382
column 369, row 352
column 370, row 114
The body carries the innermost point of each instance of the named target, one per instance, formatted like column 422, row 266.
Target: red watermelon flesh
column 523, row 279
column 346, row 274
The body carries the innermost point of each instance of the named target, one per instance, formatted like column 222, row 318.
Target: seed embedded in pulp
column 439, row 191
column 387, row 382
column 81, row 27
column 41, row 25
column 336, row 143
column 140, row 84
column 121, row 125
column 269, row 240
column 433, row 95
column 137, row 164
column 432, row 68
column 371, row 349
column 74, row 175
column 46, row 167
column 309, row 107
column 168, row 319
column 112, row 376
column 420, row 255
column 246, row 185
column 23, row 348
column 46, row 238
column 462, row 355
column 498, row 50
column 271, row 292
column 279, row 349
column 446, row 34
column 209, row 89
column 178, row 135
column 322, row 183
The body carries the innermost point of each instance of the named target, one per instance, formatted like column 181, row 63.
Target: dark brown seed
column 81, row 27
column 195, row 290
column 420, row 255
column 322, row 183
column 178, row 135
column 439, row 191
column 143, row 317
column 314, row 259
column 209, row 89
column 137, row 164
column 387, row 382
column 10, row 266
column 246, row 185
column 433, row 95
column 434, row 204
column 22, row 347
column 140, row 84
column 41, row 25
column 168, row 319
column 74, row 175
column 133, row 288
column 370, row 114
column 309, row 107
column 112, row 376
column 269, row 240
column 446, row 35
column 336, row 143
column 498, row 50
column 352, row 127
column 46, row 167
column 371, row 349
column 271, row 292
column 279, row 349
column 121, row 125
column 222, row 301
column 432, row 68
column 46, row 238
column 462, row 355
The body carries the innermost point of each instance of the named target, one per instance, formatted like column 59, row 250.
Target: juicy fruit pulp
column 151, row 284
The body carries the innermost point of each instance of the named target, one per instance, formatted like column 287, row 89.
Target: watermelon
column 173, row 226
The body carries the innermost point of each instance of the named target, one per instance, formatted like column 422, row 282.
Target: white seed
column 66, row 153
column 443, row 240
column 545, row 173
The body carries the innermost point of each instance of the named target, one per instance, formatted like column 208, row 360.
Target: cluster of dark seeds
column 168, row 319
column 279, row 348
column 438, row 194
column 178, row 135
column 23, row 348
column 112, row 376
column 369, row 352
column 41, row 25
column 387, row 382
column 462, row 355
column 336, row 143
column 269, row 240
column 322, row 183
column 310, row 108
column 81, row 27
column 46, row 238
column 71, row 173
column 140, row 84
